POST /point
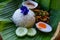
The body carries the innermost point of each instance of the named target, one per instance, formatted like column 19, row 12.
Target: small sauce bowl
column 30, row 4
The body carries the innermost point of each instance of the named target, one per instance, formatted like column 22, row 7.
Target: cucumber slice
column 31, row 32
column 21, row 31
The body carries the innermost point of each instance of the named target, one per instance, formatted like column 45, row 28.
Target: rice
column 23, row 20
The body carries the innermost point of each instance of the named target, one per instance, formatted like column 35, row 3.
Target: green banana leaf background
column 7, row 27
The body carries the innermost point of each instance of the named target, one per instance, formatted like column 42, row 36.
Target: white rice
column 23, row 20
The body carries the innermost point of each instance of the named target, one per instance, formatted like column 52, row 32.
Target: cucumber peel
column 31, row 32
column 21, row 31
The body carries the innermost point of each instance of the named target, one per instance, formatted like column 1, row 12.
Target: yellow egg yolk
column 41, row 25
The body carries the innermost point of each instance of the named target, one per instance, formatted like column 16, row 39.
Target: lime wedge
column 21, row 31
column 31, row 32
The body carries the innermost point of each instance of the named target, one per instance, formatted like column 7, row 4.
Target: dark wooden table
column 0, row 37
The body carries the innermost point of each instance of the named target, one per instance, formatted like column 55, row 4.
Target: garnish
column 31, row 32
column 24, row 10
column 21, row 31
column 41, row 16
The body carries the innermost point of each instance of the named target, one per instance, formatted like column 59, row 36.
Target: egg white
column 47, row 29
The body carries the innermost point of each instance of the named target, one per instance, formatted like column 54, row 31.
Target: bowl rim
column 33, row 2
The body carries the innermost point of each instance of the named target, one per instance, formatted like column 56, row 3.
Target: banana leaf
column 44, row 4
column 55, row 4
column 7, row 27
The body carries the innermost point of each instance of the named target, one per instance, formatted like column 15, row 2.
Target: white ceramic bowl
column 30, row 7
